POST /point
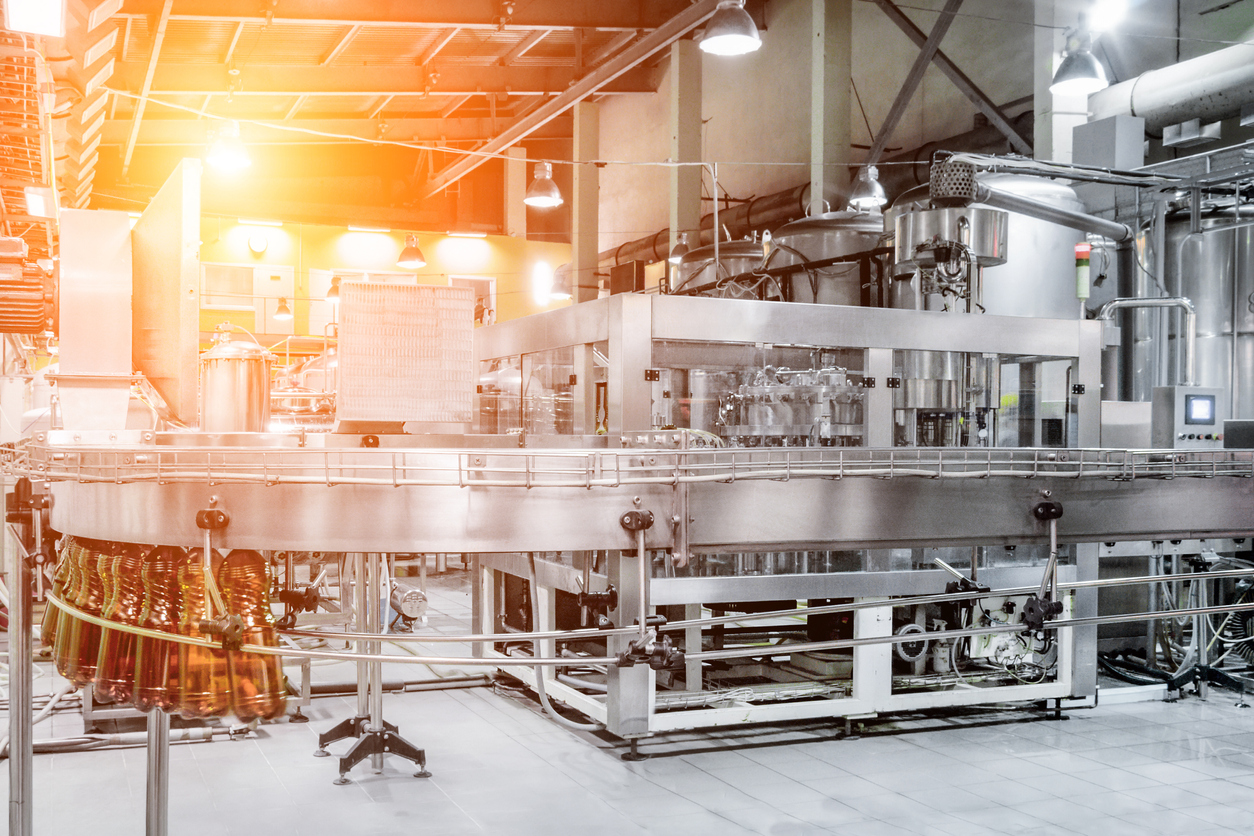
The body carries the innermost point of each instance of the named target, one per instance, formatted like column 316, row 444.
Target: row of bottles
column 163, row 588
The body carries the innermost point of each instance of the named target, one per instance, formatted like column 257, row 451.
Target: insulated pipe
column 1190, row 324
column 1209, row 87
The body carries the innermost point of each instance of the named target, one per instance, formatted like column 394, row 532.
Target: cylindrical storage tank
column 735, row 257
column 235, row 388
column 1214, row 269
column 830, row 235
column 1038, row 278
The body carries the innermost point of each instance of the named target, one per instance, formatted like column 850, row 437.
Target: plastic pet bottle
column 204, row 673
column 156, row 660
column 257, row 689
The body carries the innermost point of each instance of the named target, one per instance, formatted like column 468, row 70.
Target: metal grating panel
column 406, row 354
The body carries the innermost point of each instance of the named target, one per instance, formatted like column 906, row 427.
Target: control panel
column 1188, row 418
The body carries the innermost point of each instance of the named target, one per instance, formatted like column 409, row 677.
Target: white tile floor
column 499, row 767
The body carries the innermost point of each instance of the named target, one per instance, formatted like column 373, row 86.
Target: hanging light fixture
column 411, row 257
column 730, row 31
column 227, row 153
column 867, row 193
column 333, row 295
column 543, row 193
column 1080, row 73
column 282, row 313
column 680, row 250
column 561, row 284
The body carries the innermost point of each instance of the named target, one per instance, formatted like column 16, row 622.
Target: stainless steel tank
column 983, row 230
column 826, row 236
column 1038, row 277
column 235, row 387
column 735, row 257
column 1214, row 269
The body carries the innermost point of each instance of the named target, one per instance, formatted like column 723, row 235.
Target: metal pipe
column 642, row 556
column 21, row 722
column 1209, row 87
column 1190, row 325
column 999, row 199
column 375, row 571
column 158, row 809
column 363, row 626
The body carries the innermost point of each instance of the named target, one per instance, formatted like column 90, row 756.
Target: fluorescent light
column 40, row 202
column 37, row 17
column 355, row 228
column 468, row 235
column 258, row 222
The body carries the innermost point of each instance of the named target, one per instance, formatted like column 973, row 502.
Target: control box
column 1188, row 418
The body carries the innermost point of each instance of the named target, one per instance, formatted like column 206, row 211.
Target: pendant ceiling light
column 1080, row 73
column 867, row 193
column 544, row 193
column 411, row 257
column 731, row 31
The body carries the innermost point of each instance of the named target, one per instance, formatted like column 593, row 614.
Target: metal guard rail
column 561, row 468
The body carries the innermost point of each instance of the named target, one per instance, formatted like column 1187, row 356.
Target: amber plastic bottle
column 156, row 660
column 60, row 578
column 73, row 587
column 256, row 679
column 115, row 669
column 82, row 639
column 204, row 673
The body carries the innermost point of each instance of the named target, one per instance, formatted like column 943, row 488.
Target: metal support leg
column 158, row 811
column 21, row 760
column 353, row 726
column 375, row 736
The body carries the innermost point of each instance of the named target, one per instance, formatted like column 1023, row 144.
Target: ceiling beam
column 277, row 80
column 146, row 86
column 295, row 108
column 335, row 51
column 378, row 108
column 524, row 45
column 465, row 14
column 960, row 79
column 612, row 46
column 442, row 39
column 230, row 49
column 191, row 131
column 596, row 81
column 454, row 103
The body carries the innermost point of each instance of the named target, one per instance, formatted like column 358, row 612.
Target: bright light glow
column 1105, row 15
column 40, row 202
column 731, row 31
column 468, row 235
column 257, row 222
column 354, row 228
column 227, row 153
column 561, row 285
column 37, row 17
column 542, row 283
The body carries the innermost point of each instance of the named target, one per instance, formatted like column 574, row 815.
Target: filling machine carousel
column 680, row 511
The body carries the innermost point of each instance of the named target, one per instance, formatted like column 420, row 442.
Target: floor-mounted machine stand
column 375, row 737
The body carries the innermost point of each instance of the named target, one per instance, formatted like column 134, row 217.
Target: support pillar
column 685, row 123
column 515, row 191
column 1056, row 116
column 584, row 207
column 831, row 62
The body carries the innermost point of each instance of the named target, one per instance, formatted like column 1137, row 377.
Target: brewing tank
column 235, row 387
column 830, row 235
column 696, row 268
column 1214, row 269
column 1038, row 278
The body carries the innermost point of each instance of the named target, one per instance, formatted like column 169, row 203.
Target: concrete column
column 685, row 119
column 831, row 60
column 515, row 191
column 1056, row 116
column 583, row 210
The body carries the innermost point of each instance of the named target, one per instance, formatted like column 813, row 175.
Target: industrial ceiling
column 353, row 110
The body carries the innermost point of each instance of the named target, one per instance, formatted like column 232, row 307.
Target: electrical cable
column 539, row 673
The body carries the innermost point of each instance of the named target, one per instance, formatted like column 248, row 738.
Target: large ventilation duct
column 1209, row 87
column 770, row 211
